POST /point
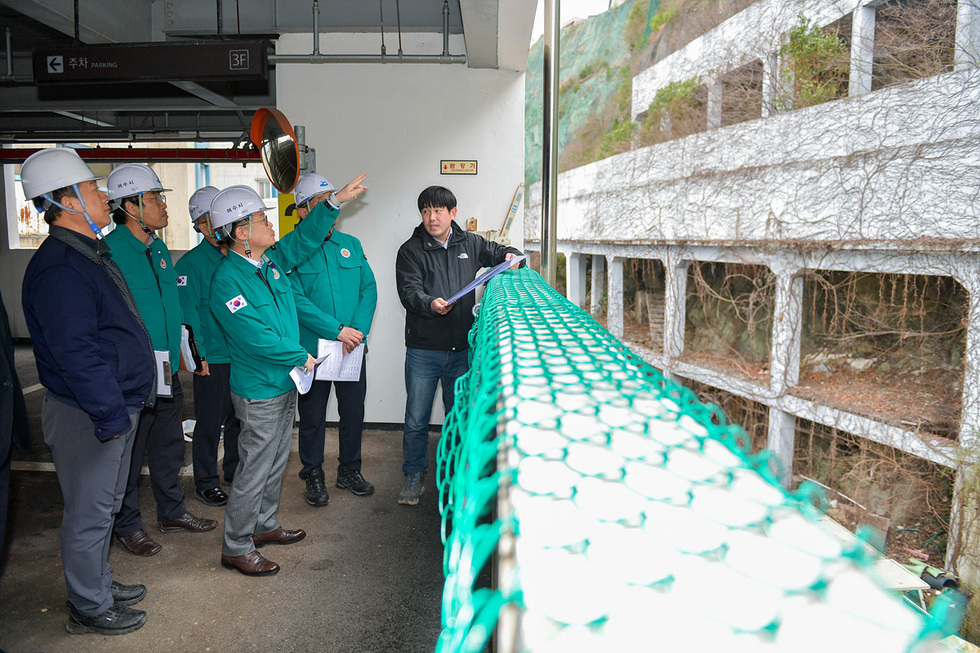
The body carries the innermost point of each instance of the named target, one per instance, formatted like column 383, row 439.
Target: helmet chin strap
column 139, row 219
column 248, row 251
column 78, row 195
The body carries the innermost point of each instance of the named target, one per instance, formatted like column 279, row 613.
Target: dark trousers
column 160, row 438
column 4, row 494
column 212, row 410
column 313, row 421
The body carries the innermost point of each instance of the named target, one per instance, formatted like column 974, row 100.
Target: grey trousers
column 92, row 475
column 263, row 448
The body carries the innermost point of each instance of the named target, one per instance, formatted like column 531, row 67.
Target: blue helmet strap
column 78, row 195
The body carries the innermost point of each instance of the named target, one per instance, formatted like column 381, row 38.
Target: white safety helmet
column 53, row 168
column 200, row 202
column 233, row 204
column 310, row 185
column 131, row 179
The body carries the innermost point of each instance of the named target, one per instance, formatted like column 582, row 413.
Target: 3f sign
column 238, row 59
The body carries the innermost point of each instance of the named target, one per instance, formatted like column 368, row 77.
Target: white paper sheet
column 303, row 379
column 338, row 367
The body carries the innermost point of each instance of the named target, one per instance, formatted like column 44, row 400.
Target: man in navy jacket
column 94, row 358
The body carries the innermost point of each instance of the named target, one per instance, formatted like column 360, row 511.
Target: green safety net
column 588, row 503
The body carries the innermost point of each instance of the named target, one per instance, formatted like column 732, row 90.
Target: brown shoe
column 139, row 543
column 278, row 536
column 250, row 564
column 188, row 522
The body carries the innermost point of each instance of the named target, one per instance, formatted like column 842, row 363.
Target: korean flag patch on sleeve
column 236, row 303
column 182, row 280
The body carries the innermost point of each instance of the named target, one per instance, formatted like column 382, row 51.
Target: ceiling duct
column 317, row 57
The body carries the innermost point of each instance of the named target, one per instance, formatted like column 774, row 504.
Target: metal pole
column 316, row 28
column 549, row 140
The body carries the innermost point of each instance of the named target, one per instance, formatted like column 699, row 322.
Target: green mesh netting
column 597, row 42
column 590, row 504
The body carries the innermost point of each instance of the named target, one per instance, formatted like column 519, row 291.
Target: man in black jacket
column 437, row 261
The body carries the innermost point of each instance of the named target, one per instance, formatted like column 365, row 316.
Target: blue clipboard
column 486, row 276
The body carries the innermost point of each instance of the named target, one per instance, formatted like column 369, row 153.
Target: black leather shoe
column 139, row 543
column 117, row 620
column 127, row 594
column 214, row 496
column 316, row 489
column 188, row 522
column 351, row 479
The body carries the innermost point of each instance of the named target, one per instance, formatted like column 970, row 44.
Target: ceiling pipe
column 145, row 155
column 10, row 58
column 445, row 29
column 316, row 57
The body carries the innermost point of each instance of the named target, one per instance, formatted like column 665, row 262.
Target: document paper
column 302, row 379
column 337, row 366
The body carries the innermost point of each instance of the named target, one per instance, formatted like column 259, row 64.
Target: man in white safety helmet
column 212, row 392
column 94, row 358
column 254, row 302
column 140, row 209
column 339, row 281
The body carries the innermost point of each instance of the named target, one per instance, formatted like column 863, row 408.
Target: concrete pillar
column 784, row 363
column 575, row 274
column 770, row 84
column 970, row 414
column 715, row 90
column 598, row 289
column 781, row 442
column 862, row 50
column 967, row 53
column 784, row 357
column 614, row 297
column 675, row 305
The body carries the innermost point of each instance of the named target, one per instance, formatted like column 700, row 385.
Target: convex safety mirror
column 276, row 140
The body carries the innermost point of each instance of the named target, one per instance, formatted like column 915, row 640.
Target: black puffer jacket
column 425, row 270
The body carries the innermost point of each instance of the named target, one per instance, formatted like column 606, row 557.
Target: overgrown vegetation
column 908, row 498
column 729, row 317
column 636, row 26
column 667, row 14
column 815, row 66
column 675, row 111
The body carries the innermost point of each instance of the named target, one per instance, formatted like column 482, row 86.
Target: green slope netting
column 618, row 513
column 589, row 43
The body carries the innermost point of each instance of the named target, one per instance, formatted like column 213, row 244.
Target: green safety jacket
column 259, row 314
column 150, row 275
column 194, row 270
column 339, row 281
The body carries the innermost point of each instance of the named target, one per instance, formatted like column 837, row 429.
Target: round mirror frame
column 276, row 140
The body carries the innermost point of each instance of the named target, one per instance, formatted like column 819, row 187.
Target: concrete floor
column 367, row 578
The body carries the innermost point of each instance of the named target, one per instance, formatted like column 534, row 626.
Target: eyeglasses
column 161, row 200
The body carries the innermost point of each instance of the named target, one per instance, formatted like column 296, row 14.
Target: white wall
column 396, row 122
